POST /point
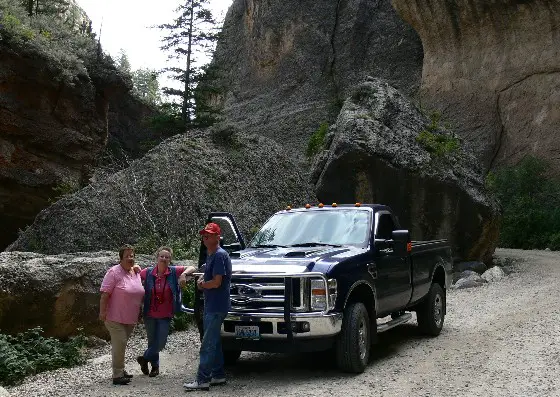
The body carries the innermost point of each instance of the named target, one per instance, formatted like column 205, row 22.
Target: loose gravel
column 500, row 339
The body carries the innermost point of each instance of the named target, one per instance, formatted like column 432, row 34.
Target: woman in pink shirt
column 162, row 300
column 121, row 297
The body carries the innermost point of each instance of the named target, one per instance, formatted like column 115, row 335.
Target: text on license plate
column 247, row 332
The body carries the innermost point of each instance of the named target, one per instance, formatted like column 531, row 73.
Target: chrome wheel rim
column 362, row 339
column 438, row 310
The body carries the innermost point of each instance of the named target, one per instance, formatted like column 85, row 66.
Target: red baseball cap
column 211, row 228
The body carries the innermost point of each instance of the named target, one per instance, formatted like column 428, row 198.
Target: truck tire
column 431, row 312
column 353, row 343
column 231, row 356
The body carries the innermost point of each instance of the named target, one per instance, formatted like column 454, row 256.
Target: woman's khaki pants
column 119, row 338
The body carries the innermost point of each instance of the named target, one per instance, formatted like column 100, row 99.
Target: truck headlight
column 318, row 295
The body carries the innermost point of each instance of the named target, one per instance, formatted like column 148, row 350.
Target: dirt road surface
column 501, row 339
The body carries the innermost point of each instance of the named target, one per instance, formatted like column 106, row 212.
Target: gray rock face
column 50, row 133
column 59, row 293
column 372, row 155
column 170, row 191
column 493, row 67
column 287, row 65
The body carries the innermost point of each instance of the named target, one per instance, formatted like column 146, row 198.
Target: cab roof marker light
column 321, row 205
column 358, row 204
column 307, row 206
column 334, row 204
column 288, row 208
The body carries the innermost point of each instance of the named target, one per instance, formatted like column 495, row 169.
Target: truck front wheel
column 353, row 342
column 431, row 312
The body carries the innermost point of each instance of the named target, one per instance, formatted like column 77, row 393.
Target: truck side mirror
column 401, row 238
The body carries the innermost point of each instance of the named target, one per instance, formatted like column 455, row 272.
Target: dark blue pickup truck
column 329, row 278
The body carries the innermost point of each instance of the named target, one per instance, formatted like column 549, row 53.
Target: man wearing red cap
column 215, row 284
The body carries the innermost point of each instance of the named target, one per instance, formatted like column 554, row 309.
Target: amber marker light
column 288, row 208
column 334, row 204
column 307, row 206
column 358, row 204
column 320, row 205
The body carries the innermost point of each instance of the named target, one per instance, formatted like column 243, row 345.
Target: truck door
column 231, row 238
column 393, row 282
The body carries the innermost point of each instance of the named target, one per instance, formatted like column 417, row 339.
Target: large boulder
column 60, row 293
column 285, row 66
column 169, row 192
column 51, row 131
column 375, row 154
column 493, row 67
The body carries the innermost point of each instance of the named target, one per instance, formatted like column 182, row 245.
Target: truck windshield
column 315, row 228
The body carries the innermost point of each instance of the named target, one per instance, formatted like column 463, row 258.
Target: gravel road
column 501, row 339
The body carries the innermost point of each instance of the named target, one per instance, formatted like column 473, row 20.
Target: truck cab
column 323, row 277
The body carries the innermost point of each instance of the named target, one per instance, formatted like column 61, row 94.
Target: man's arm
column 103, row 305
column 214, row 283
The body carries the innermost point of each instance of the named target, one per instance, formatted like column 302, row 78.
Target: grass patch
column 317, row 140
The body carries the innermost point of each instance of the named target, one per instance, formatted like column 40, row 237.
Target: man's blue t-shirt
column 216, row 300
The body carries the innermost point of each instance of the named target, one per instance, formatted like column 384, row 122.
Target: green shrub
column 183, row 247
column 530, row 200
column 438, row 144
column 183, row 321
column 29, row 353
column 317, row 141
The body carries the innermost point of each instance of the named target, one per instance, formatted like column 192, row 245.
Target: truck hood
column 291, row 259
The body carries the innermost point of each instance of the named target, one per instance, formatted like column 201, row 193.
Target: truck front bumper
column 310, row 332
column 273, row 326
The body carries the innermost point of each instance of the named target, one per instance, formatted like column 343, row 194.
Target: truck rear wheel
column 431, row 312
column 231, row 356
column 353, row 342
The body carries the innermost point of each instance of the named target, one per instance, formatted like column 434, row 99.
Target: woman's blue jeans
column 211, row 356
column 157, row 330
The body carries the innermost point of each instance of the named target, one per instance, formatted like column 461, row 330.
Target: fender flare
column 357, row 284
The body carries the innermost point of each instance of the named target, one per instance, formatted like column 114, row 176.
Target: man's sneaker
column 217, row 381
column 196, row 386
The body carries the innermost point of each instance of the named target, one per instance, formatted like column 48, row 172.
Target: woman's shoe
column 121, row 381
column 143, row 364
column 154, row 371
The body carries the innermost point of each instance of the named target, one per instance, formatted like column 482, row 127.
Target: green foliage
column 530, row 201
column 182, row 321
column 317, row 140
column 53, row 30
column 168, row 121
column 29, row 353
column 183, row 247
column 64, row 189
column 436, row 142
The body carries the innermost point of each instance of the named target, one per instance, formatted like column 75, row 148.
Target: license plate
column 247, row 332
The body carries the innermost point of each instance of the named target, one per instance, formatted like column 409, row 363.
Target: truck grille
column 266, row 294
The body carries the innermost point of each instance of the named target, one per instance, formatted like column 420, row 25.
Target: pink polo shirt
column 163, row 291
column 126, row 293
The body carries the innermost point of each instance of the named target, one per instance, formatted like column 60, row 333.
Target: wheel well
column 364, row 294
column 439, row 277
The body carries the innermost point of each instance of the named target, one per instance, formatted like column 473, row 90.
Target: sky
column 126, row 24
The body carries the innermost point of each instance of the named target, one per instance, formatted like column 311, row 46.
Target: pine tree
column 190, row 35
column 146, row 85
column 123, row 64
